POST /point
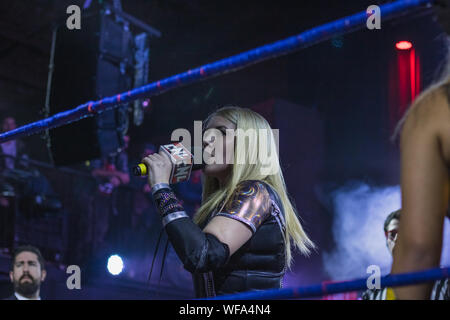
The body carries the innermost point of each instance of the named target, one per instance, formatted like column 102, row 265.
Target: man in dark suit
column 27, row 273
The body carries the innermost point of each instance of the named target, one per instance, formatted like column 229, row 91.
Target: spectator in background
column 10, row 151
column 11, row 148
column 390, row 231
column 27, row 273
column 391, row 226
column 14, row 166
column 20, row 180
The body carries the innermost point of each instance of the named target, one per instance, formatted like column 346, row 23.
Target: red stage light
column 403, row 45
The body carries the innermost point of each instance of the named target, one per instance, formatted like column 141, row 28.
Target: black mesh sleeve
column 199, row 251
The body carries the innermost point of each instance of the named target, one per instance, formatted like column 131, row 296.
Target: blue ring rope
column 326, row 288
column 231, row 64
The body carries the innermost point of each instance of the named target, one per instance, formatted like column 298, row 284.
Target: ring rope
column 230, row 64
column 326, row 288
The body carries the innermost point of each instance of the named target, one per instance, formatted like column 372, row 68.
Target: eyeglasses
column 391, row 235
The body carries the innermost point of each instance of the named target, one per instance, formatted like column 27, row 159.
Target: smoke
column 360, row 211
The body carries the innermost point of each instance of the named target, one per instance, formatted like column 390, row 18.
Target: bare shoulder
column 432, row 110
column 430, row 119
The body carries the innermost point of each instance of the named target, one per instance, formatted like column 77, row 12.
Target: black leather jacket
column 259, row 264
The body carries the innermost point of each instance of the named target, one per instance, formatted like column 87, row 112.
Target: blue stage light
column 115, row 264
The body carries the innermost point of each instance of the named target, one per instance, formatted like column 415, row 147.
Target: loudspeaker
column 91, row 63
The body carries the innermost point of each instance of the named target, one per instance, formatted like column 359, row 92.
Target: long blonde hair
column 213, row 195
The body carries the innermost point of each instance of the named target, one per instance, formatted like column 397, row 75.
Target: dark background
column 341, row 86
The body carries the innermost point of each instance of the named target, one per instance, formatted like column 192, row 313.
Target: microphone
column 182, row 163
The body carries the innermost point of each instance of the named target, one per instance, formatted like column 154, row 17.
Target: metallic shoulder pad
column 250, row 203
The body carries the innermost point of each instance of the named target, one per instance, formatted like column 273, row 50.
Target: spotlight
column 403, row 45
column 115, row 264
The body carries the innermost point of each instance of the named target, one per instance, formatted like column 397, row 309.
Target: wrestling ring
column 231, row 64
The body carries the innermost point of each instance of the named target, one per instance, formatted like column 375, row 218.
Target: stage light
column 115, row 265
column 403, row 45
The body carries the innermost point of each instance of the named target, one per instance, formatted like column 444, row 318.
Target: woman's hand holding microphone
column 172, row 164
column 159, row 168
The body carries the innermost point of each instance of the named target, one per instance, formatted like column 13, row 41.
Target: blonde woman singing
column 243, row 234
